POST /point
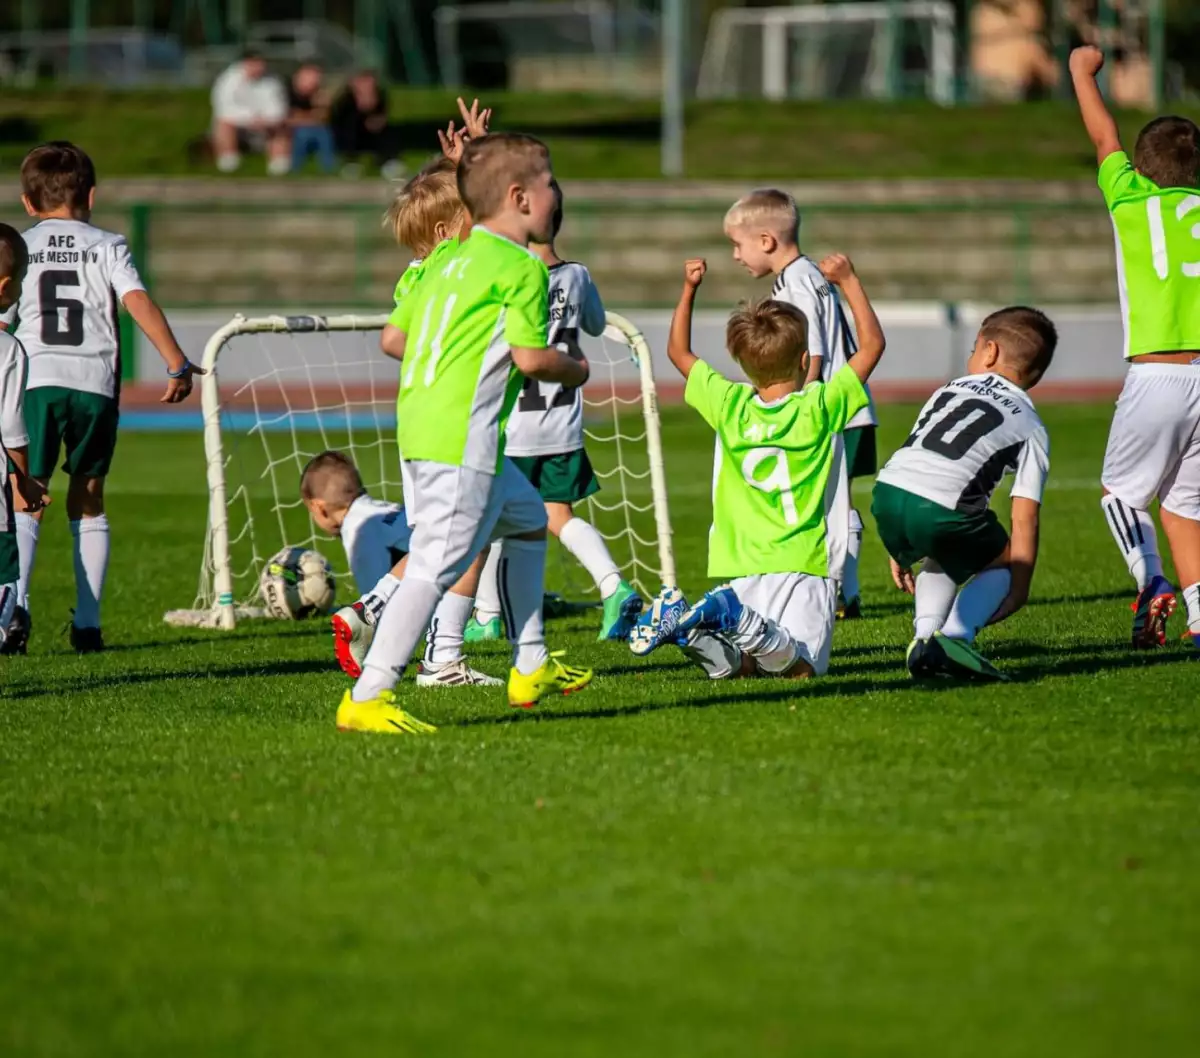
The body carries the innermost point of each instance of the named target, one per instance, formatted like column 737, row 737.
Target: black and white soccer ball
column 297, row 583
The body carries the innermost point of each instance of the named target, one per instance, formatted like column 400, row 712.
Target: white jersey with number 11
column 969, row 434
column 67, row 314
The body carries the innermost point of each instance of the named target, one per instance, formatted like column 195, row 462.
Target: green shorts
column 860, row 451
column 564, row 478
column 84, row 424
column 913, row 528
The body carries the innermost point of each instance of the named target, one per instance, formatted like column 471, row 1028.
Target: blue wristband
column 187, row 366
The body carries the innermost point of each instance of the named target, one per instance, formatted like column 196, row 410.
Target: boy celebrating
column 68, row 326
column 1154, row 443
column 478, row 312
column 779, row 516
column 545, row 440
column 764, row 227
column 377, row 537
column 931, row 498
column 14, row 441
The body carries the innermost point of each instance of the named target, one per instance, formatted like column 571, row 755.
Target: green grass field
column 133, row 133
column 194, row 862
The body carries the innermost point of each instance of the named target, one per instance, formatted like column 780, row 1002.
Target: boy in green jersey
column 780, row 517
column 472, row 325
column 1154, row 444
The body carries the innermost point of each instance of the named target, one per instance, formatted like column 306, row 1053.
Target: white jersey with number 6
column 968, row 435
column 548, row 418
column 68, row 309
column 802, row 285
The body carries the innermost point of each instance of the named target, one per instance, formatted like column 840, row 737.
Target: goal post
column 279, row 389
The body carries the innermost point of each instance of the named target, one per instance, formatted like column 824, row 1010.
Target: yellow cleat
column 524, row 692
column 379, row 714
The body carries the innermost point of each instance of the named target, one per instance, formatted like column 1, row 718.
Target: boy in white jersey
column 473, row 324
column 377, row 539
column 545, row 441
column 931, row 498
column 68, row 325
column 14, row 443
column 764, row 227
column 779, row 514
column 1154, row 444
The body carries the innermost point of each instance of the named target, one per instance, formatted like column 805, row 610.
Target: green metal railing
column 249, row 257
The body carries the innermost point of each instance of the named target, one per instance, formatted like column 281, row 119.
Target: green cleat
column 957, row 659
column 621, row 611
column 475, row 632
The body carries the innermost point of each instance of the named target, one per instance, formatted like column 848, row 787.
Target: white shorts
column 1154, row 443
column 460, row 511
column 410, row 497
column 802, row 605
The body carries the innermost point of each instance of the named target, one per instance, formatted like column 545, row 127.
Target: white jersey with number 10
column 969, row 434
column 548, row 418
column 68, row 309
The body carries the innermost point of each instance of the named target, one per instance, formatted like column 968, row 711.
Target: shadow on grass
column 903, row 604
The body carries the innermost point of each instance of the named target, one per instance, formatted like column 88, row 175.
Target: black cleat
column 19, row 628
column 86, row 640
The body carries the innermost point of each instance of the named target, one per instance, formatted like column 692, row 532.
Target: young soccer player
column 779, row 516
column 14, row 443
column 764, row 227
column 1154, row 443
column 376, row 536
column 68, row 325
column 545, row 440
column 931, row 498
column 478, row 312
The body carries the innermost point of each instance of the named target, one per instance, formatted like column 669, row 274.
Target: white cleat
column 352, row 638
column 454, row 674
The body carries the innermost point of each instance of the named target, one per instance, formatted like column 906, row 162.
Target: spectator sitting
column 308, row 117
column 250, row 113
column 360, row 125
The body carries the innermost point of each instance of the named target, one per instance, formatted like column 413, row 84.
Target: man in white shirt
column 250, row 112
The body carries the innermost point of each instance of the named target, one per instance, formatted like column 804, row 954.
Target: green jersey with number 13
column 1158, row 258
column 458, row 384
column 774, row 490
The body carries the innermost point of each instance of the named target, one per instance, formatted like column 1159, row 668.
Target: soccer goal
column 280, row 389
column 830, row 51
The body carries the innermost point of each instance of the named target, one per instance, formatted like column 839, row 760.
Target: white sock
column 376, row 599
column 584, row 542
column 444, row 644
column 1133, row 530
column 228, row 163
column 771, row 647
column 279, row 166
column 400, row 628
column 1191, row 599
column 850, row 588
column 715, row 654
column 27, row 540
column 934, row 597
column 487, row 596
column 522, row 584
column 8, row 603
column 90, row 536
column 976, row 603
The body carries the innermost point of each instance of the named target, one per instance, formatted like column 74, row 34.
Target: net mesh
column 284, row 397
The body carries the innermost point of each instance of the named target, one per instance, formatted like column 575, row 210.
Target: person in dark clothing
column 360, row 122
column 308, row 118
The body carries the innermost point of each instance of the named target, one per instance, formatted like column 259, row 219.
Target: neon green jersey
column 471, row 305
column 1158, row 258
column 414, row 271
column 773, row 470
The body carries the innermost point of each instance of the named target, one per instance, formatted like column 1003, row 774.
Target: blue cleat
column 660, row 623
column 719, row 611
column 1153, row 606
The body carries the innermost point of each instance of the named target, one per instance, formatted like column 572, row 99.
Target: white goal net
column 878, row 50
column 281, row 389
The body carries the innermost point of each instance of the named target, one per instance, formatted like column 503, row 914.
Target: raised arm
column 679, row 343
column 1022, row 551
column 1085, row 63
column 837, row 268
column 551, row 365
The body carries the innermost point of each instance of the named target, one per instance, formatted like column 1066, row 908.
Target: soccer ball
column 296, row 584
